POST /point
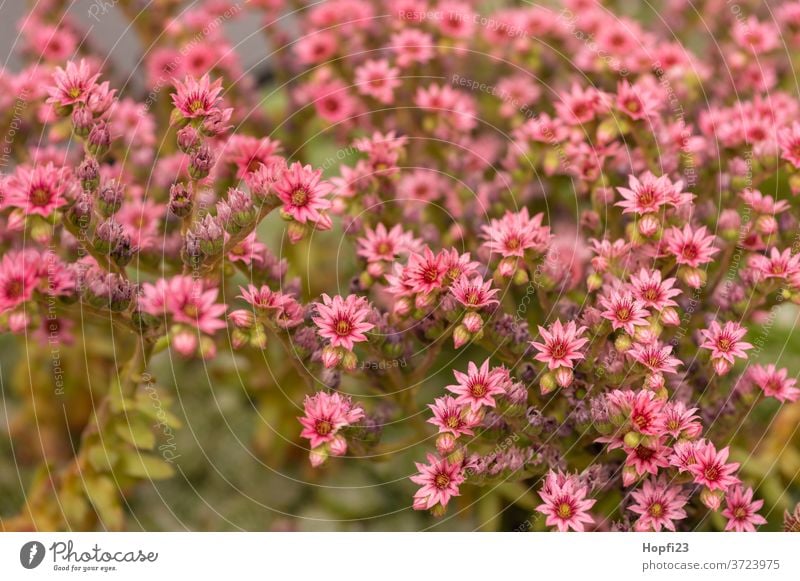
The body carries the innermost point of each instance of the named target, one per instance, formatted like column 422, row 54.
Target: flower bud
column 473, row 322
column 648, row 225
column 180, row 200
column 109, row 198
column 99, row 139
column 712, row 499
column 547, row 383
column 632, row 439
column 89, row 174
column 445, row 443
column 670, row 317
column 594, row 281
column 622, row 343
column 210, row 235
column 201, row 162
column 338, row 446
column 82, row 121
column 629, row 476
column 331, row 356
column 461, row 336
column 564, row 376
column 318, row 456
column 722, row 366
column 188, row 139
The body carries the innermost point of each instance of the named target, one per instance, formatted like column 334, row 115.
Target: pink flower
column 250, row 153
column 647, row 458
column 789, row 141
column 690, row 247
column 411, row 46
column 187, row 300
column 580, row 106
column 684, row 454
column 325, row 415
column 515, row 233
column 724, row 342
column 562, row 345
column 264, row 298
column 385, row 245
column 248, row 251
column 478, row 387
column 637, row 101
column 474, row 293
column 649, row 194
column 741, row 510
column 658, row 504
column 775, row 382
column 624, row 311
column 710, row 468
column 679, row 421
column 655, row 356
column 565, row 503
column 781, row 265
column 343, row 321
column 426, row 271
column 39, row 190
column 439, row 480
column 303, row 194
column 653, row 292
column 197, row 98
column 73, row 85
column 451, row 417
column 375, row 78
column 19, row 277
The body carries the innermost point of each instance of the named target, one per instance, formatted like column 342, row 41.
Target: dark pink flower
column 690, row 247
column 473, row 292
column 652, row 291
column 197, row 98
column 562, row 345
column 515, row 233
column 73, row 85
column 711, row 468
column 658, row 504
column 343, row 321
column 565, row 503
column 725, row 342
column 303, row 194
column 451, row 417
column 439, row 481
column 655, row 356
column 40, row 190
column 624, row 311
column 478, row 386
column 775, row 382
column 325, row 415
column 742, row 511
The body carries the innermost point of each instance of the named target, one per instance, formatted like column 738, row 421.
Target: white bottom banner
column 418, row 556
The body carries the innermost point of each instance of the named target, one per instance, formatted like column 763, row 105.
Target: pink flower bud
column 473, row 322
column 564, row 376
column 445, row 443
column 317, row 456
column 722, row 366
column 670, row 316
column 185, row 343
column 648, row 225
column 331, row 356
column 338, row 446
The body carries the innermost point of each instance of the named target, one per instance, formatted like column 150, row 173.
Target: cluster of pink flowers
column 591, row 253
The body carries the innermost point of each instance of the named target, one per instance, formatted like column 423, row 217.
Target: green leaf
column 102, row 458
column 137, row 431
column 146, row 466
column 102, row 493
